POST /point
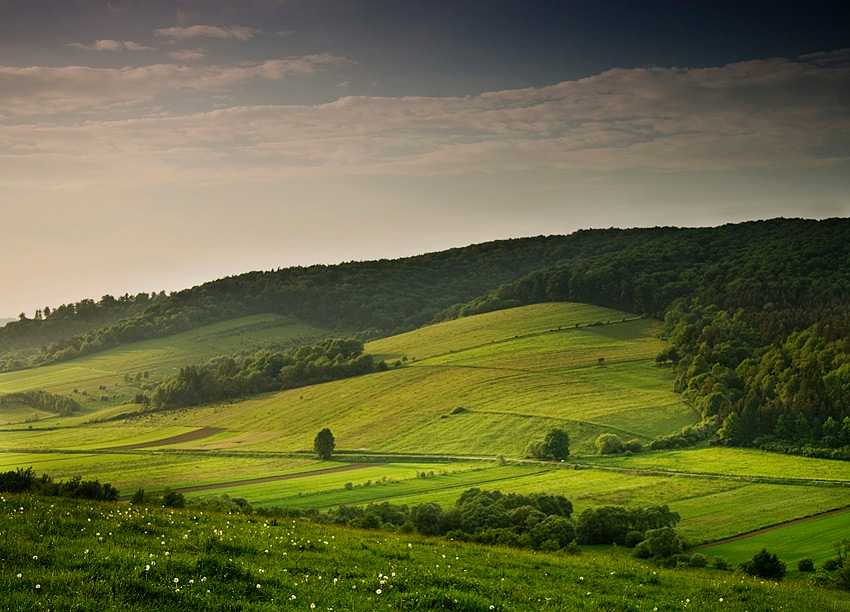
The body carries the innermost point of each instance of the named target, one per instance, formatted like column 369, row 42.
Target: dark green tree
column 324, row 443
column 557, row 444
column 764, row 565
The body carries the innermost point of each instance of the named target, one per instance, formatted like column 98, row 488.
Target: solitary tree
column 557, row 444
column 324, row 443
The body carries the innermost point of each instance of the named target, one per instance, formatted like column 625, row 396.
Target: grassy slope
column 160, row 358
column 514, row 387
column 87, row 556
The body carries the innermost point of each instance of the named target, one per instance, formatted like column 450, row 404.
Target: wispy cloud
column 839, row 57
column 187, row 56
column 111, row 45
column 40, row 90
column 770, row 114
column 195, row 31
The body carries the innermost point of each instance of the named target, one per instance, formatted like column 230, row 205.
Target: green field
column 159, row 358
column 94, row 557
column 734, row 462
column 807, row 539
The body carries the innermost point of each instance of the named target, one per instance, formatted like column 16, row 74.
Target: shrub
column 806, row 565
column 633, row 446
column 764, row 565
column 720, row 563
column 698, row 560
column 173, row 499
column 609, row 444
column 633, row 538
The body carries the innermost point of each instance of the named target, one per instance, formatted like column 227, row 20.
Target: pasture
column 810, row 538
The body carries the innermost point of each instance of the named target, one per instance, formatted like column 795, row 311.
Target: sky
column 152, row 145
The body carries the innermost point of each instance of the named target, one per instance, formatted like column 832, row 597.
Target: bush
column 609, row 444
column 764, row 565
column 830, row 565
column 720, row 563
column 806, row 565
column 173, row 499
column 633, row 538
column 698, row 560
column 633, row 446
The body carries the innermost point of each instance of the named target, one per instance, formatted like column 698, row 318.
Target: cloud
column 839, row 57
column 234, row 32
column 187, row 56
column 40, row 90
column 111, row 45
column 762, row 114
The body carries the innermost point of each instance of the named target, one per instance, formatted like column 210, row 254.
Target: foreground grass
column 62, row 555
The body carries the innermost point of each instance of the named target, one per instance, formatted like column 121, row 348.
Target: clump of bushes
column 25, row 481
column 764, row 565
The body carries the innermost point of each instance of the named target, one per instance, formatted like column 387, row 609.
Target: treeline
column 785, row 394
column 758, row 315
column 27, row 341
column 25, row 481
column 371, row 298
column 536, row 520
column 49, row 402
column 229, row 377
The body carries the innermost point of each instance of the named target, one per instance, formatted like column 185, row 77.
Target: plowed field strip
column 189, row 436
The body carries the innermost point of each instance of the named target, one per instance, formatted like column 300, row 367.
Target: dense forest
column 758, row 313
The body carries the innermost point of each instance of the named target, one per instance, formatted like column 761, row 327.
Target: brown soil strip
column 189, row 436
column 750, row 534
column 250, row 481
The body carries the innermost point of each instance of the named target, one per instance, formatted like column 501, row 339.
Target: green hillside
column 510, row 385
column 103, row 374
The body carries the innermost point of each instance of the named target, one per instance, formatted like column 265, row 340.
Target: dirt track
column 744, row 536
column 250, row 481
column 189, row 436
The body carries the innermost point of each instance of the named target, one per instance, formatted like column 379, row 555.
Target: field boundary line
column 769, row 528
column 250, row 481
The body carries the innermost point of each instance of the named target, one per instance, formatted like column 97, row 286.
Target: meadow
column 103, row 374
column 810, row 539
column 67, row 555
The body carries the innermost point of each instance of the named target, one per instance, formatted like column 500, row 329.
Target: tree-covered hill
column 374, row 297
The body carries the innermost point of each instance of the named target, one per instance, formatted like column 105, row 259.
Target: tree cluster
column 49, row 402
column 228, row 377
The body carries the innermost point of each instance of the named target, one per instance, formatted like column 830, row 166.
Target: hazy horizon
column 160, row 144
